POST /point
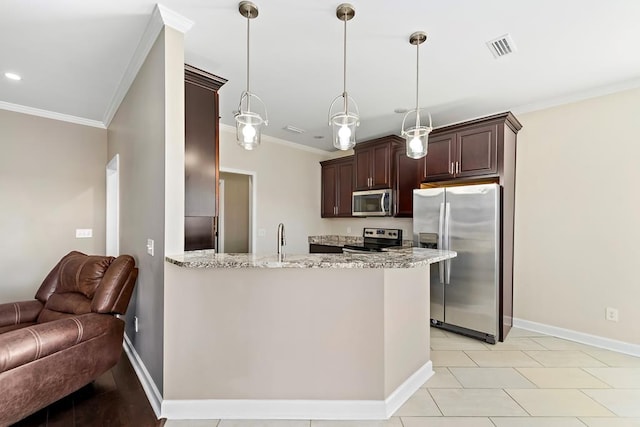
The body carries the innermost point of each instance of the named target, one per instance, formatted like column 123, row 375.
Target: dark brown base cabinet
column 337, row 187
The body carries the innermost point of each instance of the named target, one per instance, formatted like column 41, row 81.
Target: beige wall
column 236, row 212
column 52, row 181
column 287, row 185
column 577, row 216
column 290, row 333
column 147, row 131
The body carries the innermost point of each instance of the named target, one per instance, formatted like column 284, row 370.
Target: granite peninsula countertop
column 397, row 258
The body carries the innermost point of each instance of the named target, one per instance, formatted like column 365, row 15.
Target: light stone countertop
column 397, row 258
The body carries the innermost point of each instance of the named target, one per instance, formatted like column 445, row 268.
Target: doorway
column 113, row 207
column 236, row 211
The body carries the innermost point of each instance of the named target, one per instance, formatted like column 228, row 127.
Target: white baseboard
column 298, row 409
column 148, row 385
column 581, row 337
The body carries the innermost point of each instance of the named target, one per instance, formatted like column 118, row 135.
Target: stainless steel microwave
column 372, row 203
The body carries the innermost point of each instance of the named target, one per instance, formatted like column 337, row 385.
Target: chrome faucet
column 281, row 240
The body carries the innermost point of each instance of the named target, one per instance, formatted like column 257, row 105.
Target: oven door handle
column 354, row 251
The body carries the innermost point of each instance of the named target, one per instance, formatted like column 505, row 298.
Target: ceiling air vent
column 501, row 46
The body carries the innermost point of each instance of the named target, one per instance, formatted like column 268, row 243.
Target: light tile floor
column 530, row 380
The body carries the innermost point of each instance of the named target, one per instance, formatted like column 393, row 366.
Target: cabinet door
column 439, row 158
column 408, row 172
column 344, row 188
column 362, row 168
column 477, row 151
column 328, row 191
column 381, row 166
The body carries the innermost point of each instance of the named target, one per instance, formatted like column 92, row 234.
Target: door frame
column 253, row 198
column 112, row 228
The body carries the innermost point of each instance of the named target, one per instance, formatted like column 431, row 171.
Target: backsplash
column 354, row 226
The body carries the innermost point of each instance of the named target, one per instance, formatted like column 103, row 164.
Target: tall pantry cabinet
column 201, row 158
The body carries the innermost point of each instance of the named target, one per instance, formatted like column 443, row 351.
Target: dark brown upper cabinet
column 373, row 163
column 407, row 175
column 466, row 150
column 337, row 187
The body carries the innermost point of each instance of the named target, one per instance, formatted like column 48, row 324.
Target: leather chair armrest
column 15, row 313
column 34, row 342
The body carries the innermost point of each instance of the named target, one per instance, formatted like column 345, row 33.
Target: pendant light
column 417, row 137
column 249, row 123
column 344, row 122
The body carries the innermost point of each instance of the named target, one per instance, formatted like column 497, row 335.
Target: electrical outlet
column 84, row 233
column 262, row 232
column 611, row 314
column 150, row 244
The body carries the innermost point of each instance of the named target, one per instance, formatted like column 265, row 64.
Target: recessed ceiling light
column 318, row 136
column 400, row 110
column 12, row 76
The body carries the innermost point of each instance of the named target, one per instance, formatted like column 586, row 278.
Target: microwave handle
column 382, row 202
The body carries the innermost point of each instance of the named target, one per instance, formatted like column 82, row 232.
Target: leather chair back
column 81, row 284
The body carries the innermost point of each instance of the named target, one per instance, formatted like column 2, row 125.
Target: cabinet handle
column 451, row 168
column 335, row 210
column 457, row 168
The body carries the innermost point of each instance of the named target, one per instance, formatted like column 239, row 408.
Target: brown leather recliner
column 66, row 337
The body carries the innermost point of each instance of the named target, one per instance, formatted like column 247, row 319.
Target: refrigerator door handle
column 441, row 227
column 447, row 239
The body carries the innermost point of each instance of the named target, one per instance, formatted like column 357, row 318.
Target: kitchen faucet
column 281, row 240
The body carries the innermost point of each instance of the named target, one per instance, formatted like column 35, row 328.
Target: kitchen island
column 315, row 336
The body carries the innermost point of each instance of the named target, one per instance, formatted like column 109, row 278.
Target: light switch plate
column 150, row 245
column 84, row 233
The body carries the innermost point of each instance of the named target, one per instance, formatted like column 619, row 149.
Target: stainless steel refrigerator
column 465, row 291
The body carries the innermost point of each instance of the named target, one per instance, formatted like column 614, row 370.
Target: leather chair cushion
column 82, row 274
column 34, row 342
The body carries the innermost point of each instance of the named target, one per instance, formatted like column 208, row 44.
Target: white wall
column 577, row 216
column 52, row 181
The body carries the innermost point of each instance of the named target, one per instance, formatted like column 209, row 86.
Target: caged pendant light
column 344, row 122
column 417, row 137
column 249, row 123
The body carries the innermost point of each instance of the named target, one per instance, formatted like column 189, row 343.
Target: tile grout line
column 515, row 400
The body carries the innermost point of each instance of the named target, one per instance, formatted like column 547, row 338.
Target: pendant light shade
column 344, row 122
column 417, row 137
column 249, row 123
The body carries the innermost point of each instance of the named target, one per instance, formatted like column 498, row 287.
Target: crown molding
column 160, row 18
column 51, row 115
column 578, row 96
column 173, row 19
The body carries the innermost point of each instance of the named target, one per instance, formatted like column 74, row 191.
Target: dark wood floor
column 115, row 399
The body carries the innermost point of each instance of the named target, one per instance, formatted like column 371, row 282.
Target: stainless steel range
column 375, row 240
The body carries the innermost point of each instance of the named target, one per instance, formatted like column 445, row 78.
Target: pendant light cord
column 417, row 84
column 344, row 69
column 248, row 33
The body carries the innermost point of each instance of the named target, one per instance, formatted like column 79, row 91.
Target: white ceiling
column 72, row 55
